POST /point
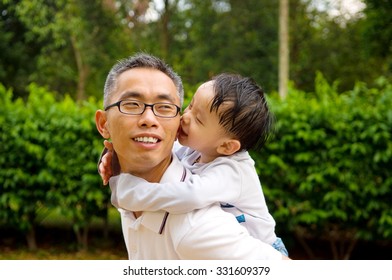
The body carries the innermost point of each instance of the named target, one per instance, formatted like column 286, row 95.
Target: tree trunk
column 82, row 70
column 300, row 236
column 106, row 224
column 283, row 47
column 31, row 239
column 82, row 237
column 165, row 39
column 85, row 238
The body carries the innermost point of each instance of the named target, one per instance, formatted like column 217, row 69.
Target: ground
column 59, row 243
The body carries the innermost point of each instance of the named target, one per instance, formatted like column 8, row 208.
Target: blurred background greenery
column 326, row 174
column 69, row 45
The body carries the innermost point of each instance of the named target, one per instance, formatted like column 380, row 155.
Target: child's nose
column 185, row 117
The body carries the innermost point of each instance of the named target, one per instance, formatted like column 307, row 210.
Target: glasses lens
column 131, row 107
column 165, row 110
column 134, row 107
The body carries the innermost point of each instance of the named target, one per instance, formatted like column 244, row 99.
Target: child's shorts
column 279, row 245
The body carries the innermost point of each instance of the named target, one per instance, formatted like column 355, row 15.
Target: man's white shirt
column 207, row 233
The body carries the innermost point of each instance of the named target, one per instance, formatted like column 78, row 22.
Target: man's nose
column 148, row 118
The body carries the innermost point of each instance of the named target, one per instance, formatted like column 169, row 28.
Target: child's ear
column 101, row 123
column 229, row 147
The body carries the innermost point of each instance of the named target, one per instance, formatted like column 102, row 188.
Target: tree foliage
column 377, row 35
column 326, row 174
column 49, row 151
column 69, row 45
column 327, row 170
column 73, row 44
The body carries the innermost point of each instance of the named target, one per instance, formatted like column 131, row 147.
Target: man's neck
column 153, row 175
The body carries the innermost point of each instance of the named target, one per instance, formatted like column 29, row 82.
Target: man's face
column 143, row 143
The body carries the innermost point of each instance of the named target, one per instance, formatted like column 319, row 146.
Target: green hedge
column 48, row 159
column 326, row 173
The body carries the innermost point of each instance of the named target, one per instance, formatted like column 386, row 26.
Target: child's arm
column 219, row 182
column 108, row 164
column 180, row 151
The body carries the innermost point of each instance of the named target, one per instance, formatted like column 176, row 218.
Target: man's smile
column 145, row 139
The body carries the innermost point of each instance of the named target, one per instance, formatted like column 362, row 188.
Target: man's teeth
column 146, row 139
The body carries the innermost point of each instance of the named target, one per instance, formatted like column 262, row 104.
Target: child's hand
column 105, row 165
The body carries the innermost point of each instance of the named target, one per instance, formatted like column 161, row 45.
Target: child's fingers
column 102, row 173
column 105, row 168
column 101, row 170
column 104, row 161
column 108, row 145
column 105, row 178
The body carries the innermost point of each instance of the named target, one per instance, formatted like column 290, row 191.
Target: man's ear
column 101, row 123
column 229, row 147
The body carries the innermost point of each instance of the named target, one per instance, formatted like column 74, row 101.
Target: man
column 142, row 100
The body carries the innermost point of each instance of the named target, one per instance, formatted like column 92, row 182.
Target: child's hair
column 245, row 113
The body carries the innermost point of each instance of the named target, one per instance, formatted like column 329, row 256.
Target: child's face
column 200, row 128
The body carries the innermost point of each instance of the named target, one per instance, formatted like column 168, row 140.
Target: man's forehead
column 146, row 75
column 139, row 83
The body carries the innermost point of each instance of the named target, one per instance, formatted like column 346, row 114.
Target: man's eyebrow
column 130, row 94
column 166, row 97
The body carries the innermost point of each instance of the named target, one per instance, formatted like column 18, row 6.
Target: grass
column 57, row 241
column 58, row 254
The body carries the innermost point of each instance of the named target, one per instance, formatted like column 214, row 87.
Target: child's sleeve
column 180, row 151
column 217, row 183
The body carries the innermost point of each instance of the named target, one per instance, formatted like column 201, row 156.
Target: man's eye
column 131, row 104
column 165, row 107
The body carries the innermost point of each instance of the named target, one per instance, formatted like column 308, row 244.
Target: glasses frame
column 118, row 105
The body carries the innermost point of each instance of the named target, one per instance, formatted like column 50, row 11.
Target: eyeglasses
column 135, row 107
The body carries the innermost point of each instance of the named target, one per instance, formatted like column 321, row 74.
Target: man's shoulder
column 211, row 233
column 182, row 224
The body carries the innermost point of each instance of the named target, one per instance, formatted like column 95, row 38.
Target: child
column 226, row 117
